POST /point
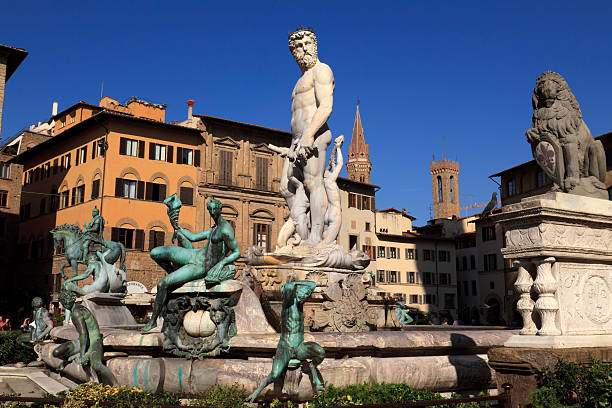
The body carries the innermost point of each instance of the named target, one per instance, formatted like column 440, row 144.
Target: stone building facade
column 358, row 229
column 417, row 268
column 445, row 188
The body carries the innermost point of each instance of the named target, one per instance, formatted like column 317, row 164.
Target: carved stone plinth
column 562, row 245
column 339, row 303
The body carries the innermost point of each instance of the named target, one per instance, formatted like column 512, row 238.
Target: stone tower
column 358, row 165
column 445, row 187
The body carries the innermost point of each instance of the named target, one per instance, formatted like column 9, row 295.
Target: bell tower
column 445, row 187
column 358, row 165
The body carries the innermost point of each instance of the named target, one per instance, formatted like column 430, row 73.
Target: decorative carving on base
column 347, row 311
column 199, row 326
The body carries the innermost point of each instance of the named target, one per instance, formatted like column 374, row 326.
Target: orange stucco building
column 125, row 160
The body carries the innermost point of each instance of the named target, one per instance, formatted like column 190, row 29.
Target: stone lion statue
column 579, row 163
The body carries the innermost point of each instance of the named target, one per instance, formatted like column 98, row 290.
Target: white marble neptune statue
column 309, row 236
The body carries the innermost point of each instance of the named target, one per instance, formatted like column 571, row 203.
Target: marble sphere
column 198, row 324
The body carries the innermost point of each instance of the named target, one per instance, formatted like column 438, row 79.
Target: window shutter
column 93, row 150
column 187, row 195
column 265, row 174
column 73, row 195
column 221, row 179
column 95, row 189
column 196, row 157
column 141, row 148
column 139, row 244
column 151, row 151
column 118, row 188
column 255, row 233
column 169, row 151
column 123, row 146
column 179, row 155
column 84, row 154
column 162, row 192
column 151, row 239
column 225, row 164
column 140, row 192
column 115, row 234
column 149, row 192
column 160, row 237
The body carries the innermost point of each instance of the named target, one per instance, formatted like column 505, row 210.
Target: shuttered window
column 261, row 179
column 129, row 188
column 156, row 238
column 155, row 192
column 130, row 238
column 225, row 167
column 186, row 195
column 95, row 189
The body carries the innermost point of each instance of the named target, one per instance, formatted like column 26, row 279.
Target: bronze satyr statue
column 87, row 350
column 188, row 264
column 291, row 344
column 43, row 324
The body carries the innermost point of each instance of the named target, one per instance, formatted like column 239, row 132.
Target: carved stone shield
column 549, row 156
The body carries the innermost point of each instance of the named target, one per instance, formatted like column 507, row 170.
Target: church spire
column 358, row 164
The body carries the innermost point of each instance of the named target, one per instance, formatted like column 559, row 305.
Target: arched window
column 186, row 193
column 440, row 193
column 452, row 196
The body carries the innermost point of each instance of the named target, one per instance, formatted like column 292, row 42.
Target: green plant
column 15, row 404
column 11, row 351
column 575, row 385
column 130, row 397
column 219, row 396
column 373, row 394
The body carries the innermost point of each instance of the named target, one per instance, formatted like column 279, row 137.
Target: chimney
column 54, row 109
column 190, row 109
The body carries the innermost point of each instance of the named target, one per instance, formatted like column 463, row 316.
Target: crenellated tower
column 358, row 165
column 445, row 187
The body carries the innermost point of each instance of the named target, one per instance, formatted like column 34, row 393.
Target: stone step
column 23, row 386
column 4, row 387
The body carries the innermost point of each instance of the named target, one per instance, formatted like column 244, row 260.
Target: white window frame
column 131, row 147
column 160, row 152
column 129, row 188
column 189, row 157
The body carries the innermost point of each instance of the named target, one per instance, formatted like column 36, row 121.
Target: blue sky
column 424, row 71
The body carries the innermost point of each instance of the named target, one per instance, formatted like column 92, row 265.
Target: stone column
column 547, row 306
column 525, row 305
